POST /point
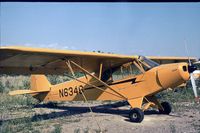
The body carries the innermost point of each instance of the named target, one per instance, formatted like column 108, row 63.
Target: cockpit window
column 124, row 71
column 128, row 69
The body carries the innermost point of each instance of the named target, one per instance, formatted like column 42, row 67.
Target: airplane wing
column 25, row 60
column 171, row 59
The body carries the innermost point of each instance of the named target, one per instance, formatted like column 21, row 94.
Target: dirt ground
column 76, row 118
column 116, row 120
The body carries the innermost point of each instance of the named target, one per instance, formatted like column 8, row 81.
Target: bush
column 177, row 95
column 1, row 87
column 26, row 84
column 7, row 101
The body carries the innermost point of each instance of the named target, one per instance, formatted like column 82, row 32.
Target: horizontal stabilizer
column 19, row 92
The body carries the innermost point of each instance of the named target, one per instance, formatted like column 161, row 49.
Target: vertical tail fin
column 40, row 83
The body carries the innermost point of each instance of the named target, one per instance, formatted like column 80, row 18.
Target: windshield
column 128, row 69
column 147, row 63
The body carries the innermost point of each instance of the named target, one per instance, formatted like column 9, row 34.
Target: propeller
column 191, row 69
column 194, row 87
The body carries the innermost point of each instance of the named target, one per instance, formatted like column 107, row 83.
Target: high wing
column 171, row 59
column 25, row 60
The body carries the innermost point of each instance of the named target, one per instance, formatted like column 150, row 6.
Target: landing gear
column 136, row 115
column 166, row 108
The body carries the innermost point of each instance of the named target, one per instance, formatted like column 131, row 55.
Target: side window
column 117, row 74
column 135, row 70
column 124, row 71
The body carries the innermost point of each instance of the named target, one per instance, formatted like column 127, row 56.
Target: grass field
column 19, row 114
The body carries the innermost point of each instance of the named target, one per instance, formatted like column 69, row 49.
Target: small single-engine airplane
column 135, row 79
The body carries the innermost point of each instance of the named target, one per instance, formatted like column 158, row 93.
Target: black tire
column 167, row 108
column 136, row 115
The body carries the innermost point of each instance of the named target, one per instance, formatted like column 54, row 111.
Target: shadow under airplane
column 70, row 111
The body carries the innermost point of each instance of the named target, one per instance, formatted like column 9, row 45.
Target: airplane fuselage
column 145, row 84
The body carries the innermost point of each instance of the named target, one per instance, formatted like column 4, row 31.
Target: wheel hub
column 134, row 115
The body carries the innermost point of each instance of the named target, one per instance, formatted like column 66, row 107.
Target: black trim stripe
column 133, row 80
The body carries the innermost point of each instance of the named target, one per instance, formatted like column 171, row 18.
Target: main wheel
column 167, row 108
column 136, row 115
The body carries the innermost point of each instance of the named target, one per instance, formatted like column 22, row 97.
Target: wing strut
column 91, row 110
column 70, row 68
column 84, row 97
column 138, row 65
column 100, row 70
column 97, row 79
column 74, row 78
column 89, row 84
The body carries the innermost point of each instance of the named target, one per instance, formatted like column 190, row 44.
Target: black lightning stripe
column 133, row 80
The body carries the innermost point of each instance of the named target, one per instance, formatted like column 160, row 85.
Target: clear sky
column 124, row 28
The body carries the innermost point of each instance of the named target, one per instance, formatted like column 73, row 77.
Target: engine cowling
column 172, row 75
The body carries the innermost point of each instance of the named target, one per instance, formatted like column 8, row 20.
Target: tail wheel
column 167, row 108
column 136, row 115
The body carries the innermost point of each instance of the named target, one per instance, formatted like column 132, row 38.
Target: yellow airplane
column 135, row 79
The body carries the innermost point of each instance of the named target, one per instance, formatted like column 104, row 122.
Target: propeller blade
column 191, row 69
column 194, row 87
column 186, row 48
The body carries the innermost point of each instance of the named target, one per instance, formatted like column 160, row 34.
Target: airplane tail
column 39, row 83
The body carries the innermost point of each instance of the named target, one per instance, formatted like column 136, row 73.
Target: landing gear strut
column 136, row 115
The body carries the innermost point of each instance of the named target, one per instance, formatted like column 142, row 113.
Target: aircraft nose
column 172, row 75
